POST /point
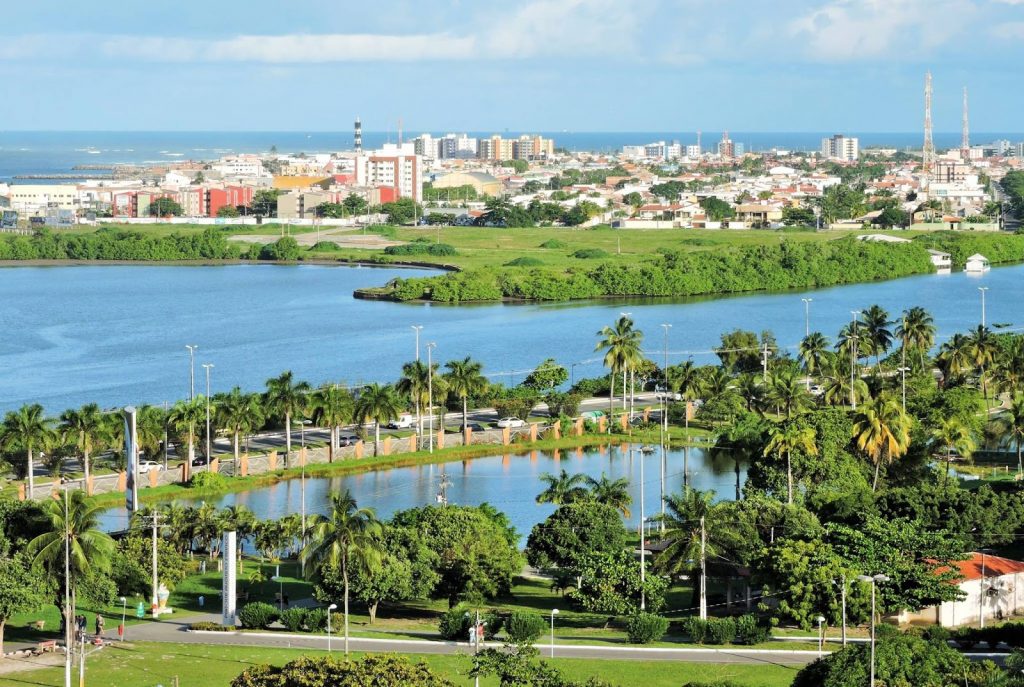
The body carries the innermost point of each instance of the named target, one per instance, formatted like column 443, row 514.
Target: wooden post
column 506, row 436
column 556, row 430
column 243, row 465
column 602, row 426
column 185, row 473
column 579, row 426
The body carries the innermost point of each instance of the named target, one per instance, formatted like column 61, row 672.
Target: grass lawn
column 148, row 664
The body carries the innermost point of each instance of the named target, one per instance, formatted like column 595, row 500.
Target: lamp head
column 332, row 607
column 554, row 611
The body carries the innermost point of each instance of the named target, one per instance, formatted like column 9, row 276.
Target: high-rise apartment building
column 395, row 170
column 525, row 147
column 726, row 148
column 839, row 147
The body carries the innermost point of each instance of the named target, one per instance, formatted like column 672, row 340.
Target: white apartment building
column 426, row 145
column 392, row 167
column 839, row 147
column 693, row 151
column 240, row 166
column 36, row 198
column 633, row 152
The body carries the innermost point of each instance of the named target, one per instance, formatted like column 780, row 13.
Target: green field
column 199, row 665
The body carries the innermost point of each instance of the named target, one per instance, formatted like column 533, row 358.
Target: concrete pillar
column 303, row 456
column 185, row 473
column 467, row 436
column 624, row 422
column 647, row 414
column 602, row 424
column 412, row 444
column 272, row 461
column 506, row 436
column 579, row 426
column 556, row 430
column 728, row 593
column 533, row 431
column 359, row 449
column 243, row 465
column 386, row 446
column 21, row 492
column 90, row 484
column 215, row 465
column 440, row 438
column 122, row 481
column 746, row 593
column 154, row 477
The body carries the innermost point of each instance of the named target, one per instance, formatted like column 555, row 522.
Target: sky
column 545, row 65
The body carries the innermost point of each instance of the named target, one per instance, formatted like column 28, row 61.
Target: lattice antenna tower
column 928, row 151
column 965, row 140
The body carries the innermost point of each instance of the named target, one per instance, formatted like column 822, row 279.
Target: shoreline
column 322, row 262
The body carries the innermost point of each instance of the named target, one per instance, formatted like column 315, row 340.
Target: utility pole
column 807, row 316
column 983, row 289
column 191, row 371
column 703, row 572
column 643, row 547
column 844, row 608
column 156, row 583
column 209, row 450
column 68, row 634
column 430, row 393
column 165, row 435
column 419, row 415
column 664, row 429
column 764, row 362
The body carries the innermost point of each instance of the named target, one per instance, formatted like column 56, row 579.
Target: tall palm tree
column 875, row 320
column 955, row 358
column 465, row 379
column 28, row 430
column 783, row 440
column 269, row 539
column 562, row 488
column 684, row 379
column 415, row 383
column 206, row 526
column 621, row 346
column 72, row 542
column 1010, row 423
column 83, row 428
column 916, row 332
column 1008, row 372
column 238, row 414
column 983, row 348
column 814, row 352
column 714, row 382
column 881, row 431
column 950, row 435
column 787, row 392
column 151, row 428
column 347, row 539
column 185, row 419
column 610, row 492
column 286, row 398
column 751, row 389
column 332, row 407
column 380, row 403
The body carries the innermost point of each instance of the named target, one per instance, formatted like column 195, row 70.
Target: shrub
column 294, row 619
column 721, row 630
column 645, row 628
column 554, row 243
column 207, row 626
column 494, row 621
column 421, row 247
column 454, row 624
column 936, row 633
column 696, row 628
column 316, row 619
column 337, row 620
column 257, row 615
column 524, row 262
column 590, row 254
column 750, row 630
column 208, row 480
column 524, row 628
column 441, row 249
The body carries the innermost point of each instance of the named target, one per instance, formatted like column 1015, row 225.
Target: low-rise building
column 484, row 184
column 991, row 586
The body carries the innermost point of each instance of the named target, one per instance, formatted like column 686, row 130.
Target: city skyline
column 808, row 65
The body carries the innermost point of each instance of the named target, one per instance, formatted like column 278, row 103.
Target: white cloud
column 1013, row 30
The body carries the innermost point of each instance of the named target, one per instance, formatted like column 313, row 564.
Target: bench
column 46, row 647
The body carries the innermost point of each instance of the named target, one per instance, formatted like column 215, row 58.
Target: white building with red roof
column 991, row 584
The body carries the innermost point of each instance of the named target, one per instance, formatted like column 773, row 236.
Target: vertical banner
column 131, row 457
column 229, row 555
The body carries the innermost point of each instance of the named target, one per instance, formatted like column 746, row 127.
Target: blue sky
column 597, row 65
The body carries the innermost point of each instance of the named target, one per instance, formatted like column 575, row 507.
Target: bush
column 294, row 619
column 646, row 628
column 524, row 628
column 316, row 619
column 590, row 254
column 454, row 624
column 749, row 630
column 716, row 683
column 257, row 615
column 936, row 633
column 207, row 626
column 421, row 247
column 494, row 623
column 554, row 243
column 696, row 628
column 721, row 630
column 524, row 262
column 208, row 480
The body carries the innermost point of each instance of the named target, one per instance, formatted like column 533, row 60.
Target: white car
column 668, row 396
column 510, row 422
column 403, row 421
column 147, row 465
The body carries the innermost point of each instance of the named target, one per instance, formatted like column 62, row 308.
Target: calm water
column 508, row 482
column 116, row 334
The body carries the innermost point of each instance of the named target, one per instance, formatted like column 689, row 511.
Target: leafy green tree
column 788, row 392
column 415, row 383
column 717, row 210
column 285, row 249
column 131, row 565
column 574, row 530
column 286, row 398
column 227, row 211
column 402, row 211
column 465, row 378
column 355, row 204
column 380, row 403
column 621, row 345
column 955, row 359
column 264, row 202
column 346, row 539
column 28, row 430
column 916, row 332
column 476, row 559
column 373, row 669
column 842, row 202
column 953, row 435
column 165, row 207
column 547, row 376
column 610, row 492
column 562, row 488
column 610, row 583
column 875, row 332
column 784, row 440
column 23, row 589
column 1010, row 424
column 184, row 419
column 814, row 352
column 794, row 216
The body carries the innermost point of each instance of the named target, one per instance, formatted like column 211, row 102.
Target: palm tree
column 28, row 430
column 269, row 539
column 238, row 413
column 83, row 428
column 206, row 527
column 347, row 539
column 684, row 379
column 621, row 346
column 983, row 349
column 72, row 542
column 1010, row 423
column 955, row 358
column 881, row 431
column 786, row 438
column 814, row 352
column 750, row 388
column 788, row 393
column 333, row 407
column 952, row 434
column 562, row 488
column 465, row 380
column 837, row 383
column 415, row 383
column 185, row 419
column 151, row 428
column 1008, row 372
column 876, row 324
column 380, row 403
column 916, row 332
column 610, row 492
column 286, row 397
column 714, row 382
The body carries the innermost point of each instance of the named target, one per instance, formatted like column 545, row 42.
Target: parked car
column 199, row 462
column 147, row 465
column 347, row 439
column 403, row 421
column 668, row 396
column 473, row 426
column 817, row 389
column 510, row 422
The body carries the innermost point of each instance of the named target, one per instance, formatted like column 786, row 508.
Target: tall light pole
column 430, row 393
column 983, row 289
column 821, row 634
column 664, row 428
column 417, row 328
column 124, row 611
column 807, row 315
column 554, row 612
column 853, row 358
column 903, row 372
column 643, row 558
column 419, row 415
column 191, row 370
column 207, row 367
column 330, row 608
column 873, row 580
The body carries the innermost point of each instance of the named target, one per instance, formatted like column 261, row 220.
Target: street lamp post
column 124, row 608
column 903, row 371
column 643, row 558
column 191, row 370
column 419, row 416
column 430, row 394
column 330, row 608
column 807, row 315
column 209, row 452
column 664, row 428
column 983, row 289
column 821, row 634
column 873, row 580
column 554, row 612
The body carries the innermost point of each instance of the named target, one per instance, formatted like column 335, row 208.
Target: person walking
column 99, row 625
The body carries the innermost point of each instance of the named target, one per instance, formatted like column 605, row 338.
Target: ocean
column 58, row 152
